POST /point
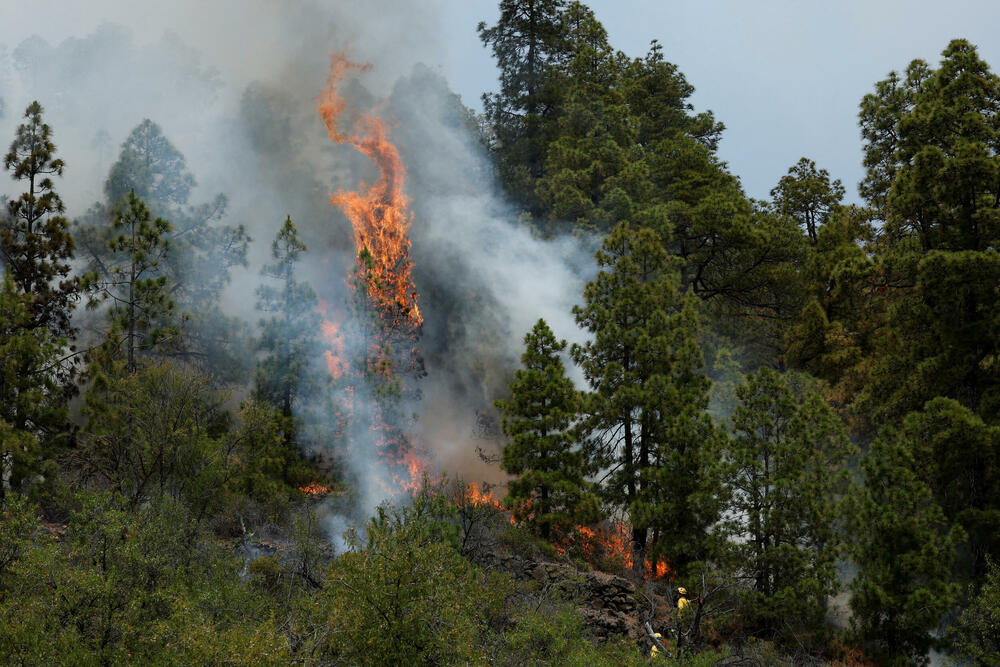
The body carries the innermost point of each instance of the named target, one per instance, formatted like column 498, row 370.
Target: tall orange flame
column 378, row 212
column 385, row 295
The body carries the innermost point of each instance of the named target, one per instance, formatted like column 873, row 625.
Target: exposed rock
column 608, row 601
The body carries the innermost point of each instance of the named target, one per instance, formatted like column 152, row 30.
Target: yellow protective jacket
column 653, row 651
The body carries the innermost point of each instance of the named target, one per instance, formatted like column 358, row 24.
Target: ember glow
column 611, row 545
column 334, row 354
column 316, row 489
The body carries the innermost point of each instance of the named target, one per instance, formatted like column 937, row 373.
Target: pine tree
column 647, row 422
column 589, row 177
column 549, row 492
column 525, row 42
column 933, row 154
column 960, row 453
column 35, row 243
column 203, row 249
column 904, row 551
column 787, row 474
column 831, row 337
column 289, row 341
column 808, row 195
column 32, row 407
column 658, row 96
column 140, row 303
column 973, row 636
column 150, row 165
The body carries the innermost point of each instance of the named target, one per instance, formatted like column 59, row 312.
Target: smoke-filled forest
column 304, row 361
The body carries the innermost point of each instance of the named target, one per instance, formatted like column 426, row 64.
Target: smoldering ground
column 234, row 86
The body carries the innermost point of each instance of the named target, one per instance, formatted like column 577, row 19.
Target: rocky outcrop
column 607, row 601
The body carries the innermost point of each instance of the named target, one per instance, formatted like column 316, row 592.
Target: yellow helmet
column 682, row 590
column 658, row 635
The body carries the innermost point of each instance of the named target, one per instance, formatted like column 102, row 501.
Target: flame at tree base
column 602, row 547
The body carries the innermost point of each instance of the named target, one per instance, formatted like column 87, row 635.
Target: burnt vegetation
column 782, row 445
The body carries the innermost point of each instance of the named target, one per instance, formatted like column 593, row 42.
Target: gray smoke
column 234, row 86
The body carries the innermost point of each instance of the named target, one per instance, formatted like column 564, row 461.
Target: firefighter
column 682, row 600
column 654, row 651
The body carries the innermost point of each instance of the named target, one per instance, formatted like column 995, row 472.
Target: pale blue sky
column 785, row 76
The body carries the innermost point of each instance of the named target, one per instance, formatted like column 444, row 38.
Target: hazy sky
column 785, row 76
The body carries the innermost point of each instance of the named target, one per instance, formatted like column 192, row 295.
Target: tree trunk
column 6, row 472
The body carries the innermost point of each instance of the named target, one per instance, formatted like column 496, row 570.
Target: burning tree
column 386, row 317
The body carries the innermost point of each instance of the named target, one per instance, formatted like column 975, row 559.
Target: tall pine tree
column 289, row 342
column 32, row 408
column 35, row 242
column 808, row 195
column 649, row 431
column 525, row 42
column 904, row 551
column 550, row 491
column 141, row 308
column 786, row 479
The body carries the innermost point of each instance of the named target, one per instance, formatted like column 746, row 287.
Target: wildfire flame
column 316, row 489
column 383, row 281
column 378, row 212
column 611, row 545
column 381, row 220
column 478, row 496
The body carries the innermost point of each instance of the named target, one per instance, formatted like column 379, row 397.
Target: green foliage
column 587, row 176
column 904, row 550
column 35, row 243
column 808, row 196
column 403, row 593
column 33, row 415
column 787, row 474
column 932, row 161
column 290, row 348
column 140, row 299
column 973, row 636
column 524, row 42
column 960, row 454
column 646, row 416
column 133, row 586
column 835, row 331
column 161, row 430
column 18, row 525
column 549, row 491
column 559, row 637
column 165, row 430
column 268, row 467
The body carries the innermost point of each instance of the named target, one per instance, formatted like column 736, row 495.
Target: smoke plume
column 234, row 86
